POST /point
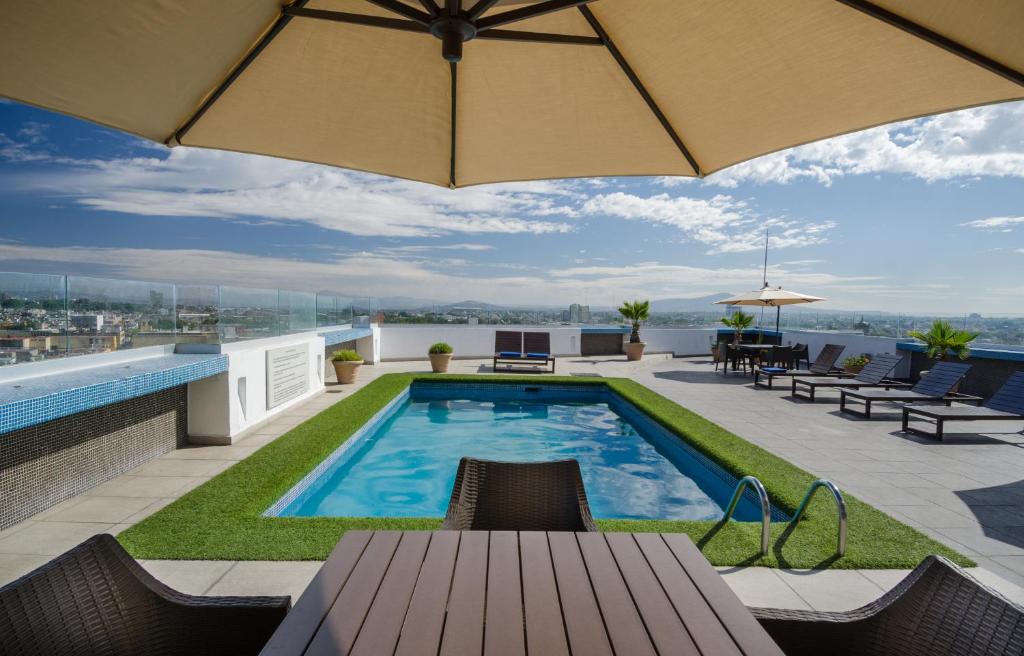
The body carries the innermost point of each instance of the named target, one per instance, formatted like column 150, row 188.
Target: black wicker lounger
column 96, row 599
column 936, row 386
column 938, row 610
column 518, row 496
column 874, row 374
column 515, row 348
column 1007, row 404
column 823, row 365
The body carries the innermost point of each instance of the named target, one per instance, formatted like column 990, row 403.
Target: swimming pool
column 403, row 462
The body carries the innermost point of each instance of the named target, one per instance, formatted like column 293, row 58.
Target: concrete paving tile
column 953, row 481
column 761, row 587
column 831, row 590
column 11, row 530
column 110, row 510
column 180, row 467
column 998, row 581
column 992, row 543
column 937, row 517
column 149, row 510
column 51, row 538
column 888, row 495
column 61, row 507
column 232, row 452
column 193, row 577
column 267, row 578
column 141, row 486
column 13, row 566
column 885, row 579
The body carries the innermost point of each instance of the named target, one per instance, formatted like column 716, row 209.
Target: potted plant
column 942, row 338
column 346, row 364
column 440, row 356
column 739, row 321
column 855, row 363
column 635, row 312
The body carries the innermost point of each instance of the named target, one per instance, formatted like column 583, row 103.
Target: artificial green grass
column 222, row 519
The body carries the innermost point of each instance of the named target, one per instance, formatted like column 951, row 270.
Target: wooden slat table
column 477, row 592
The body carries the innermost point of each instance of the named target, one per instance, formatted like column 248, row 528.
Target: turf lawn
column 222, row 519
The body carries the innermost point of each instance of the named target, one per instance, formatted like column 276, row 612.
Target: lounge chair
column 938, row 385
column 518, row 496
column 802, row 352
column 1007, row 404
column 874, row 374
column 512, row 348
column 938, row 610
column 96, row 599
column 823, row 365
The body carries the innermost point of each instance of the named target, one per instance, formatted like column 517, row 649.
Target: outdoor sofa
column 874, row 374
column 938, row 385
column 1007, row 404
column 937, row 610
column 517, row 348
column 518, row 496
column 823, row 365
column 96, row 599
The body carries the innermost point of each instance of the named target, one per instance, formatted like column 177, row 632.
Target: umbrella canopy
column 770, row 297
column 490, row 90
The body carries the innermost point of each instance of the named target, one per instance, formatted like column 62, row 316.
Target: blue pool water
column 404, row 466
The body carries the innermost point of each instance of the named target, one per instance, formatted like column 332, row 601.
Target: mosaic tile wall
column 47, row 463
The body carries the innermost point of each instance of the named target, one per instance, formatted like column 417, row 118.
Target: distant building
column 574, row 313
column 584, row 314
column 93, row 322
column 565, row 316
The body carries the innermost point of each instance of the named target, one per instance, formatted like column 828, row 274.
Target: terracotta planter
column 346, row 370
column 439, row 362
column 635, row 350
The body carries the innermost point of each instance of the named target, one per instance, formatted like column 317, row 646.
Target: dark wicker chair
column 96, row 599
column 518, row 496
column 938, row 610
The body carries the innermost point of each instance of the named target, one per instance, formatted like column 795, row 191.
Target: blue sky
column 924, row 216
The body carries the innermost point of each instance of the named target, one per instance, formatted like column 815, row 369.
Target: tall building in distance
column 577, row 314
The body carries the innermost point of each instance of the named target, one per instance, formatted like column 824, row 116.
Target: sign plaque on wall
column 287, row 374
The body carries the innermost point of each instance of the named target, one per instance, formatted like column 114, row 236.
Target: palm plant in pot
column 440, row 355
column 346, row 365
column 738, row 321
column 942, row 338
column 635, row 312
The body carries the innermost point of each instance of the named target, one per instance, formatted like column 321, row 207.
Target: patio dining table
column 750, row 349
column 503, row 592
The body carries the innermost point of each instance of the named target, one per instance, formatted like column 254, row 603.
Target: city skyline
column 869, row 220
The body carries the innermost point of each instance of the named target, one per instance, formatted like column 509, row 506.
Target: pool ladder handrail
column 766, row 507
column 840, row 508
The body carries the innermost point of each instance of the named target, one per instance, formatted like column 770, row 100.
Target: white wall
column 678, row 341
column 222, row 407
column 410, row 342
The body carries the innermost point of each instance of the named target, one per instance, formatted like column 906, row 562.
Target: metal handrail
column 840, row 507
column 766, row 508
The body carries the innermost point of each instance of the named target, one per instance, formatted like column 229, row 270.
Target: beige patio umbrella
column 492, row 90
column 770, row 297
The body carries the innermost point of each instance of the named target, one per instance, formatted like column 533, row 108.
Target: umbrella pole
column 778, row 309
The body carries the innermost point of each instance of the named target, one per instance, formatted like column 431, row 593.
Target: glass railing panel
column 109, row 315
column 296, row 311
column 33, row 317
column 246, row 313
column 196, row 314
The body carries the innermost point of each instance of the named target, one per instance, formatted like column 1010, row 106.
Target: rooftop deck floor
column 967, row 491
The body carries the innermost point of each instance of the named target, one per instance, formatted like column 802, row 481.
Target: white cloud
column 216, row 184
column 995, row 222
column 985, row 141
column 726, row 224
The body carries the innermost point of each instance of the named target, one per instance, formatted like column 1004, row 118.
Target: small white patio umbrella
column 770, row 297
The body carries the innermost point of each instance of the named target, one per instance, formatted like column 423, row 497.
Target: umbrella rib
column 477, row 10
column 403, row 10
column 455, row 82
column 431, row 7
column 357, row 19
column 628, row 70
column 516, row 15
column 237, row 71
column 540, row 37
column 936, row 39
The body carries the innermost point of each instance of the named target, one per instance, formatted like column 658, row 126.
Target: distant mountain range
column 697, row 304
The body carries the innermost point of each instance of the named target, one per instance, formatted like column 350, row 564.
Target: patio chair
column 938, row 610
column 508, row 347
column 823, row 365
column 518, row 496
column 938, row 385
column 738, row 357
column 1007, row 404
column 96, row 599
column 803, row 352
column 538, row 349
column 874, row 374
